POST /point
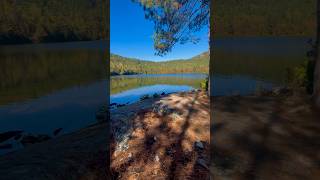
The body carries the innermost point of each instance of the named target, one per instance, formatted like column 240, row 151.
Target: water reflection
column 50, row 86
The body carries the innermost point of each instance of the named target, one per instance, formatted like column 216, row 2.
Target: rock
column 202, row 163
column 162, row 109
column 7, row 135
column 155, row 95
column 17, row 137
column 199, row 144
column 280, row 91
column 30, row 139
column 123, row 144
column 156, row 158
column 120, row 105
column 57, row 131
column 113, row 104
column 5, row 146
column 144, row 97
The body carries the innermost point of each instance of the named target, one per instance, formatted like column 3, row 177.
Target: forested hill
column 264, row 17
column 35, row 21
column 123, row 65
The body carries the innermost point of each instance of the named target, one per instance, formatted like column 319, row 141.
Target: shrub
column 204, row 84
column 301, row 77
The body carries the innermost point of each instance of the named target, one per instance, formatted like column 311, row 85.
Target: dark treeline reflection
column 123, row 83
column 27, row 73
column 260, row 58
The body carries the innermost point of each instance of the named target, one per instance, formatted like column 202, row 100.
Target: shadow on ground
column 162, row 142
column 264, row 138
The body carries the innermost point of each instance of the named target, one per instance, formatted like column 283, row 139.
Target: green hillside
column 264, row 17
column 39, row 21
column 123, row 65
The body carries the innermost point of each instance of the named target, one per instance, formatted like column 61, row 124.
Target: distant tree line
column 264, row 17
column 34, row 21
column 122, row 65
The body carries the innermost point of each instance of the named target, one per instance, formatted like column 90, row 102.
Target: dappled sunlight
column 276, row 139
column 162, row 142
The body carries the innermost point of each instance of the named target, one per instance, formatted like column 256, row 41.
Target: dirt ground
column 265, row 138
column 252, row 137
column 172, row 145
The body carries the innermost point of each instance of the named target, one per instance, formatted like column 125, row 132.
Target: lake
column 62, row 85
column 48, row 86
column 128, row 89
column 240, row 66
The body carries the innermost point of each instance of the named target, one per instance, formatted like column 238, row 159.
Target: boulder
column 31, row 139
column 7, row 135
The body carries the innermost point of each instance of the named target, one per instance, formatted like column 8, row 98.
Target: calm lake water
column 241, row 66
column 45, row 87
column 129, row 89
column 62, row 85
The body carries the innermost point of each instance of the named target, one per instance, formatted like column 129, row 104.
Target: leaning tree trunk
column 316, row 82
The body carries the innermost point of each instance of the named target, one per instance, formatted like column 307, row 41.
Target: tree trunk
column 316, row 82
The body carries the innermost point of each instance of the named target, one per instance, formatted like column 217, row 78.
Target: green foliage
column 264, row 17
column 301, row 77
column 34, row 21
column 175, row 21
column 204, row 84
column 122, row 65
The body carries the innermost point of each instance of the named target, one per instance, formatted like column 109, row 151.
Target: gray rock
column 7, row 135
column 202, row 163
column 31, row 139
column 199, row 144
column 162, row 109
column 5, row 146
column 123, row 144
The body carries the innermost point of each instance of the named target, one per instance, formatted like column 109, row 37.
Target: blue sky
column 131, row 35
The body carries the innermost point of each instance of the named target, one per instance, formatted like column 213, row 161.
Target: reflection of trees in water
column 119, row 84
column 270, row 68
column 30, row 74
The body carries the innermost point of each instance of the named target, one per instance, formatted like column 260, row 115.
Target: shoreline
column 83, row 154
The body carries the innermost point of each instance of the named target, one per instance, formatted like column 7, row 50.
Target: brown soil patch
column 163, row 146
column 265, row 138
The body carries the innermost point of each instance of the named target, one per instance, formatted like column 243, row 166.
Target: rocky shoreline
column 84, row 154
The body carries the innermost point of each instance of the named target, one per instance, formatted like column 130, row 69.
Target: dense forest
column 123, row 65
column 34, row 21
column 264, row 17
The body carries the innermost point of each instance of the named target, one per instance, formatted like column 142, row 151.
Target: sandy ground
column 163, row 145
